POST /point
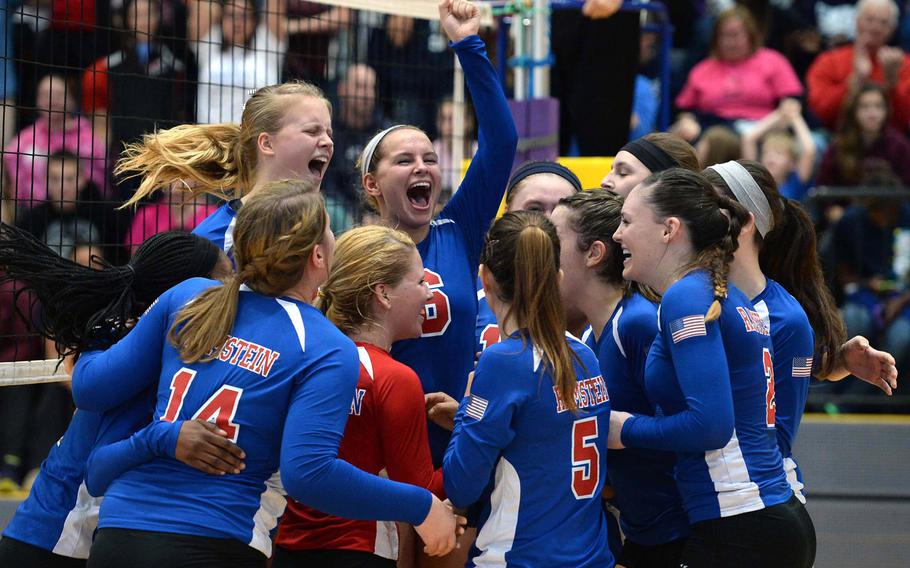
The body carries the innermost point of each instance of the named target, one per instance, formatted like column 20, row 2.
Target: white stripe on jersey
column 793, row 480
column 365, row 360
column 229, row 236
column 616, row 332
column 79, row 527
column 481, row 295
column 296, row 320
column 762, row 309
column 386, row 544
column 497, row 535
column 272, row 502
column 736, row 492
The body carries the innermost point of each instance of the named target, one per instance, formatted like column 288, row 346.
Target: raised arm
column 326, row 22
column 475, row 203
column 751, row 139
column 806, row 164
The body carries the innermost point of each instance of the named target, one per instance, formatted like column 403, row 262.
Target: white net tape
column 31, row 372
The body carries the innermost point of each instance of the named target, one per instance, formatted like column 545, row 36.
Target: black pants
column 781, row 536
column 594, row 79
column 284, row 558
column 124, row 548
column 17, row 554
column 665, row 555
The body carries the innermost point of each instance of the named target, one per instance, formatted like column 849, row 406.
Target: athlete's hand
column 441, row 409
column 204, row 446
column 438, row 530
column 868, row 364
column 617, row 419
column 459, row 18
column 599, row 9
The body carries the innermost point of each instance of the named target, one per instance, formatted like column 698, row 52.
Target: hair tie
column 542, row 167
column 747, row 192
column 367, row 156
column 650, row 154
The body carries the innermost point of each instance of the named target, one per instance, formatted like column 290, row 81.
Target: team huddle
column 257, row 392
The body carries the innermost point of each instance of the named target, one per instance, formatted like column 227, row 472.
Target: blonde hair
column 217, row 159
column 276, row 232
column 364, row 258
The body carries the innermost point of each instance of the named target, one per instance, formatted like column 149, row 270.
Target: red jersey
column 386, row 434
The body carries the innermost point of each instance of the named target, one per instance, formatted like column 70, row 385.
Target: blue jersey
column 280, row 386
column 60, row 513
column 444, row 354
column 548, row 464
column 219, row 227
column 714, row 388
column 650, row 507
column 794, row 345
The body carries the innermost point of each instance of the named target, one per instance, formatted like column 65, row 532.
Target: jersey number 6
column 585, row 458
column 439, row 314
column 219, row 409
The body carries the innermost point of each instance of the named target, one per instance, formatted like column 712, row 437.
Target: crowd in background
column 818, row 91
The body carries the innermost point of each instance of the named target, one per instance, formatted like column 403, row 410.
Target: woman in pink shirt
column 741, row 80
column 57, row 128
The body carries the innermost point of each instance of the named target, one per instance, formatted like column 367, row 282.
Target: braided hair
column 82, row 308
column 713, row 222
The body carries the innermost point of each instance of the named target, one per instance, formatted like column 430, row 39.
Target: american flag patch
column 802, row 366
column 689, row 326
column 476, row 407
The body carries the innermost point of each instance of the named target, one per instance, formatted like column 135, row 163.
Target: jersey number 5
column 585, row 458
column 770, row 403
column 439, row 314
column 219, row 409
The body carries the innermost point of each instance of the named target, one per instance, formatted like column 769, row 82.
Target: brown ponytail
column 275, row 234
column 522, row 255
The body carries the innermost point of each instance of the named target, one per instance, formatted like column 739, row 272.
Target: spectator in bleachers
column 447, row 138
column 864, row 133
column 717, row 145
column 239, row 48
column 173, row 210
column 413, row 67
column 739, row 81
column 310, row 28
column 356, row 118
column 863, row 246
column 142, row 86
column 57, row 128
column 70, row 195
column 791, row 160
column 840, row 70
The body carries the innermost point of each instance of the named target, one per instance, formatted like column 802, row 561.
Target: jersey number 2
column 438, row 310
column 219, row 409
column 770, row 403
column 585, row 458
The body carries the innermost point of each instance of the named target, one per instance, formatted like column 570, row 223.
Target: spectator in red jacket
column 837, row 71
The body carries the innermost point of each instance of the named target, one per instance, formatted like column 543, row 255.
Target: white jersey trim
column 79, row 526
column 497, row 535
column 365, row 360
column 616, row 332
column 229, row 236
column 736, row 492
column 386, row 544
column 296, row 320
column 795, row 484
column 272, row 502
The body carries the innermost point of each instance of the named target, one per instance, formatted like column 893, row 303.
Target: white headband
column 747, row 192
column 367, row 156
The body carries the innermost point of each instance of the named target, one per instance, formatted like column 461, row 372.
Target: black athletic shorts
column 781, row 536
column 125, row 548
column 284, row 558
column 665, row 555
column 18, row 554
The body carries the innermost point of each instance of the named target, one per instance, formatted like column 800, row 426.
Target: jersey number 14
column 219, row 409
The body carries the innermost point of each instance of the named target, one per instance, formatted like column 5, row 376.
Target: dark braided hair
column 713, row 222
column 83, row 308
